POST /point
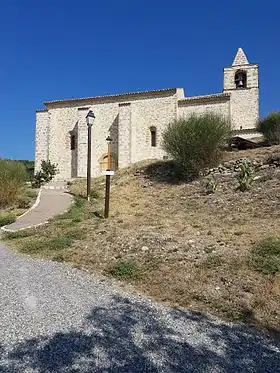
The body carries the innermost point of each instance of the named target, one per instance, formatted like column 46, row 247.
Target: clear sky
column 58, row 49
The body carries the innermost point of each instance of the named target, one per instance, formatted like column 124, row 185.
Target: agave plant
column 245, row 176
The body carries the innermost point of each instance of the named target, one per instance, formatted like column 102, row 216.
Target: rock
column 264, row 167
column 144, row 248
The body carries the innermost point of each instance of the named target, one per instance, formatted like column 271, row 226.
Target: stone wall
column 127, row 122
column 218, row 104
column 244, row 102
column 42, row 138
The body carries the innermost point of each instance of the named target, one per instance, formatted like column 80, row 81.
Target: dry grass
column 178, row 244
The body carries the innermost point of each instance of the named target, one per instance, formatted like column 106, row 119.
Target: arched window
column 240, row 79
column 153, row 136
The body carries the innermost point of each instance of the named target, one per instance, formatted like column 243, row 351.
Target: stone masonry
column 132, row 119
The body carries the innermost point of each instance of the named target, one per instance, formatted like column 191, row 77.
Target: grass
column 123, row 270
column 6, row 218
column 265, row 256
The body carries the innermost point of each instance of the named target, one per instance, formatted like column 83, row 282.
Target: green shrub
column 6, row 218
column 13, row 176
column 270, row 127
column 245, row 176
column 195, row 143
column 265, row 256
column 46, row 174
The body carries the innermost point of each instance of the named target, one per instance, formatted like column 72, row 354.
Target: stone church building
column 135, row 121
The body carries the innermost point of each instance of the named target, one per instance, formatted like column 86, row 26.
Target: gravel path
column 54, row 318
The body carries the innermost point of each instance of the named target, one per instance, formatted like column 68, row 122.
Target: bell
column 240, row 83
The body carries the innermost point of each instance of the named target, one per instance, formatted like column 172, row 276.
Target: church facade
column 136, row 121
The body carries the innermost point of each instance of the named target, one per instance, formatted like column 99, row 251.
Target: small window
column 153, row 136
column 73, row 142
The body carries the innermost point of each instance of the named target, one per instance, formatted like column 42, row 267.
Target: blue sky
column 67, row 48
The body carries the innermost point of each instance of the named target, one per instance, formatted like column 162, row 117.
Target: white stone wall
column 217, row 106
column 42, row 136
column 244, row 102
column 244, row 108
column 127, row 122
column 157, row 113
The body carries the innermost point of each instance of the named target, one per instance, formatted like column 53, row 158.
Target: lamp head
column 109, row 140
column 90, row 118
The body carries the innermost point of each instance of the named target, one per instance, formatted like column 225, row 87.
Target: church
column 136, row 121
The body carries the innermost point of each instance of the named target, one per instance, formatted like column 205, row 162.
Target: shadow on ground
column 131, row 337
column 164, row 172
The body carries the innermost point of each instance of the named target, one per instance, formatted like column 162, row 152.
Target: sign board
column 111, row 173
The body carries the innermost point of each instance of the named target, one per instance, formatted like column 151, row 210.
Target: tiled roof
column 117, row 96
column 216, row 96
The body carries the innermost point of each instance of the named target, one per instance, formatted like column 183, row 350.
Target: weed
column 212, row 261
column 244, row 177
column 75, row 234
column 46, row 244
column 210, row 185
column 123, row 269
column 265, row 256
column 18, row 234
column 6, row 218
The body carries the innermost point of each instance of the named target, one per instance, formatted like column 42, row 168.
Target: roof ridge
column 155, row 91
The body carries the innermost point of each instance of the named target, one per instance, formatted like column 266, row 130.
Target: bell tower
column 241, row 80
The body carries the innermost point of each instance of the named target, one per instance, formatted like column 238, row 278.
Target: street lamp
column 109, row 140
column 89, row 118
column 107, row 187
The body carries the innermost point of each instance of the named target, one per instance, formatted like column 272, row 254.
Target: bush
column 13, row 176
column 46, row 174
column 270, row 127
column 6, row 218
column 265, row 256
column 195, row 143
column 245, row 176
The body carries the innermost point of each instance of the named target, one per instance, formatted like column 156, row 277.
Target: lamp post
column 89, row 118
column 107, row 189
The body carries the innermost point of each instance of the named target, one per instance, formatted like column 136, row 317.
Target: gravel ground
column 54, row 318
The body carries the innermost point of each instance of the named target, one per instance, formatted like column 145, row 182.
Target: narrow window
column 153, row 136
column 73, row 142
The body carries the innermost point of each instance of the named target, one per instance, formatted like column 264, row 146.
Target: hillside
column 178, row 244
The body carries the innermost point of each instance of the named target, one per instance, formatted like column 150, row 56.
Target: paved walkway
column 52, row 201
column 57, row 319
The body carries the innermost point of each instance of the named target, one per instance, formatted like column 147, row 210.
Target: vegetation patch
column 265, row 256
column 6, row 218
column 195, row 143
column 123, row 270
column 13, row 177
column 270, row 127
